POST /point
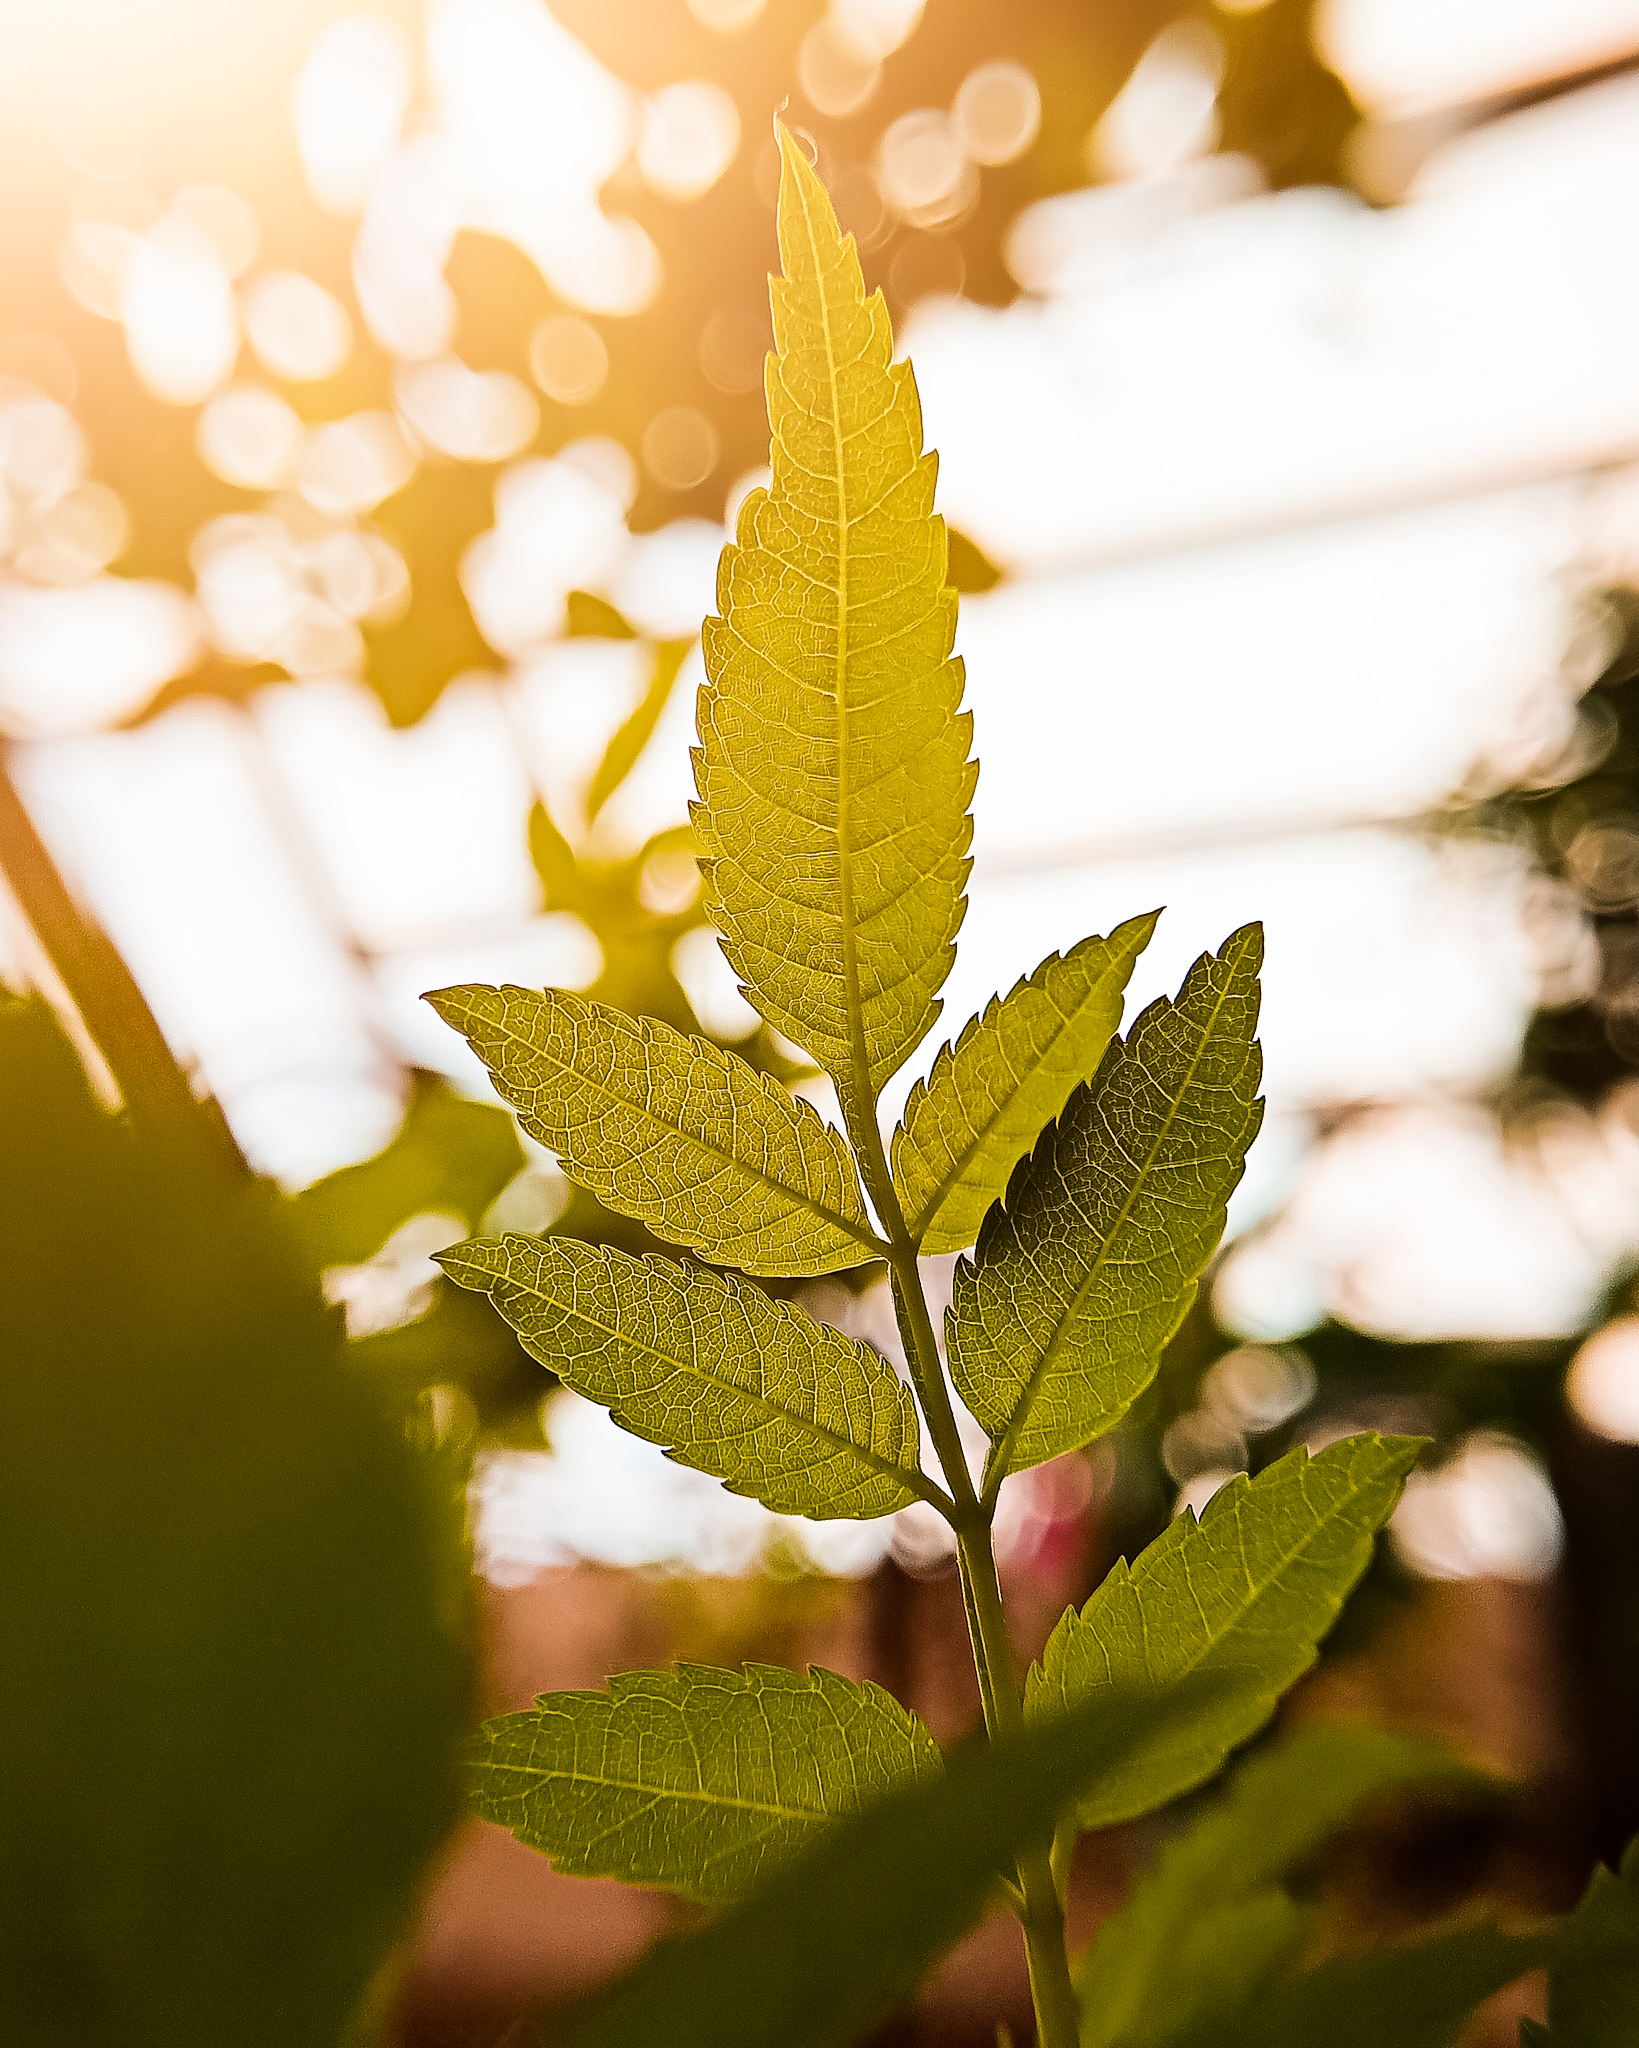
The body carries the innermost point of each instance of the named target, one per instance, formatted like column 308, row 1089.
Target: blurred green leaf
column 755, row 1392
column 833, row 765
column 671, row 1130
column 590, row 617
column 1209, row 1926
column 968, row 568
column 233, row 1679
column 450, row 1156
column 1058, row 1321
column 1417, row 1996
column 695, row 1780
column 1246, row 1593
column 833, row 1940
column 1593, row 1970
column 620, row 757
column 1007, row 1076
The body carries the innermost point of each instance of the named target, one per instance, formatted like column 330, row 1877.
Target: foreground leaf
column 1593, row 1971
column 1008, row 1075
column 695, row 1780
column 1418, row 1996
column 758, row 1394
column 833, row 766
column 672, row 1130
column 836, row 1938
column 1058, row 1321
column 1246, row 1593
column 1206, row 1930
column 231, row 1697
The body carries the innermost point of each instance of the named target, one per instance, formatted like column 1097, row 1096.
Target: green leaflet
column 672, row 1130
column 1247, row 1592
column 1419, row 1996
column 1210, row 1925
column 1593, row 1970
column 1007, row 1076
column 831, row 1942
column 621, row 755
column 754, row 1392
column 1058, row 1321
column 833, row 767
column 695, row 1780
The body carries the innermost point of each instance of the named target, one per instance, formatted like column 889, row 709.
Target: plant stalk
column 1058, row 2021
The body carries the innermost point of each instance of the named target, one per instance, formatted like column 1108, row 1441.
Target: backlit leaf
column 672, row 1130
column 757, row 1393
column 695, row 1780
column 1246, row 1593
column 832, row 1941
column 1008, row 1075
column 1059, row 1319
column 1209, row 1925
column 833, row 767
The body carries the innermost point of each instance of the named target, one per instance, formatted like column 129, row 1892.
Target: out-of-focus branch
column 100, row 985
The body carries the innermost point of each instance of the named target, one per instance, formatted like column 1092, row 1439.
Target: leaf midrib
column 861, row 1232
column 858, row 1053
column 996, row 1466
column 914, row 1480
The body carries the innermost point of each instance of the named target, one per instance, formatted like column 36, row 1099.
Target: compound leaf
column 757, row 1393
column 832, row 1941
column 672, row 1130
column 1059, row 1319
column 694, row 1780
column 833, row 768
column 1247, row 1593
column 1210, row 1925
column 1008, row 1075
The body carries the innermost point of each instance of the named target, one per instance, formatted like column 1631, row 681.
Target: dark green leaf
column 230, row 1698
column 1593, row 1972
column 1419, row 1996
column 1246, row 1593
column 757, row 1393
column 1058, row 1321
column 672, row 1130
column 1208, row 1926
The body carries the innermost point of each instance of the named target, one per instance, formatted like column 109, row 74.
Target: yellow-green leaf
column 694, row 1780
column 1244, row 1594
column 1011, row 1071
column 1058, row 1322
column 833, row 766
column 753, row 1391
column 672, row 1130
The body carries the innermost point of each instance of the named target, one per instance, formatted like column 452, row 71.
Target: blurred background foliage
column 323, row 490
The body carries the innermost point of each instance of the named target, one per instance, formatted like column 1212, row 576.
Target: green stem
column 1058, row 2019
column 1058, row 2022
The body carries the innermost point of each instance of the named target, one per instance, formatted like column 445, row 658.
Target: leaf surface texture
column 1058, row 1321
column 695, row 1780
column 1007, row 1076
column 670, row 1129
column 755, row 1392
column 1246, row 1593
column 833, row 769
